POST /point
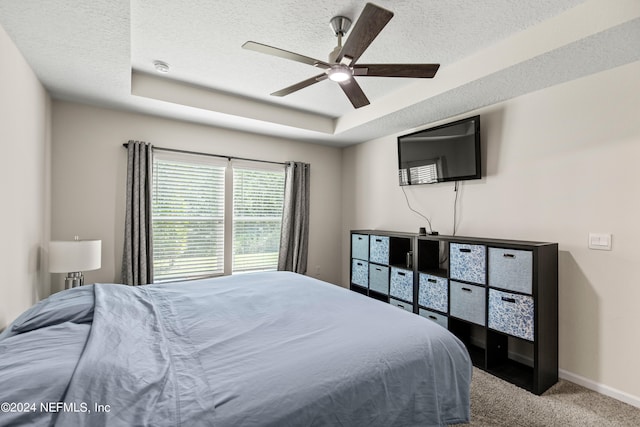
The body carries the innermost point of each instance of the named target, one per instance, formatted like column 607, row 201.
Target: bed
column 258, row 349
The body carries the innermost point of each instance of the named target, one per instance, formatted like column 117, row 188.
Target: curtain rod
column 173, row 150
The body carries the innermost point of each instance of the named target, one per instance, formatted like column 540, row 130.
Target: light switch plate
column 600, row 241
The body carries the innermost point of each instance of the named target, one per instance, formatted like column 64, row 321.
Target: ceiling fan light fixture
column 339, row 73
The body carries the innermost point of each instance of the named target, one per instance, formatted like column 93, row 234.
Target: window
column 187, row 218
column 190, row 216
column 257, row 216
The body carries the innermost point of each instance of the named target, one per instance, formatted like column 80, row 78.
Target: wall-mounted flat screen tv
column 449, row 152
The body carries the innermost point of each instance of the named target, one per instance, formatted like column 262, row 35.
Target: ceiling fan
column 342, row 66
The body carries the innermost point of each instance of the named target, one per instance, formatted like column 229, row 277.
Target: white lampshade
column 75, row 255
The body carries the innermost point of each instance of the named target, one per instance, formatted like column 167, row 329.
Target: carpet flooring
column 496, row 403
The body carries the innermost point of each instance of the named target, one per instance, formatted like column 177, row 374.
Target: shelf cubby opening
column 359, row 289
column 433, row 257
column 510, row 359
column 399, row 247
column 379, row 296
column 473, row 337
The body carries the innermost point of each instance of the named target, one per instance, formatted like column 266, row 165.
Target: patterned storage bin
column 468, row 263
column 511, row 270
column 433, row 292
column 379, row 249
column 360, row 273
column 360, row 246
column 511, row 314
column 401, row 284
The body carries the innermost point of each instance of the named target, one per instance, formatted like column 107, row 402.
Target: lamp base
column 73, row 280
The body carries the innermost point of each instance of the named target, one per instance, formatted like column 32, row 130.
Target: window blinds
column 187, row 219
column 257, row 216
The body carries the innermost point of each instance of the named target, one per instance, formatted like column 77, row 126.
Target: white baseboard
column 600, row 388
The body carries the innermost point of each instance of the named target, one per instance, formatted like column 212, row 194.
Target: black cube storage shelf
column 499, row 297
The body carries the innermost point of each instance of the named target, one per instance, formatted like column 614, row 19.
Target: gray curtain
column 294, row 237
column 137, row 258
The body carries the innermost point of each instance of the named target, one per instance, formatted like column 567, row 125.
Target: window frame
column 228, row 203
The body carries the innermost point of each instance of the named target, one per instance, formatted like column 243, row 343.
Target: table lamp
column 74, row 257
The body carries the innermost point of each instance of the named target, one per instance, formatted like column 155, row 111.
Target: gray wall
column 24, row 183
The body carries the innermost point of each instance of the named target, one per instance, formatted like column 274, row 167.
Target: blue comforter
column 262, row 349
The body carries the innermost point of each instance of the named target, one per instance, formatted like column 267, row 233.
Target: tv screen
column 449, row 152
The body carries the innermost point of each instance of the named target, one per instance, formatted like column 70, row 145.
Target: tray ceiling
column 102, row 53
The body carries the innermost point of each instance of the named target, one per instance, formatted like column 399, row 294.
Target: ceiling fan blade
column 371, row 21
column 300, row 85
column 270, row 50
column 354, row 92
column 420, row 71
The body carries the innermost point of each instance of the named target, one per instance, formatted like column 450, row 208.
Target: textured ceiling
column 101, row 52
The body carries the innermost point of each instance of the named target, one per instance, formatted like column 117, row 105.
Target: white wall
column 89, row 177
column 559, row 163
column 24, row 183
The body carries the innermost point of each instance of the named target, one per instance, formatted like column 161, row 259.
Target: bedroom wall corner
column 25, row 135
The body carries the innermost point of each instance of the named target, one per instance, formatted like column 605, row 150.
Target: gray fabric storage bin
column 401, row 304
column 468, row 302
column 379, row 278
column 511, row 269
column 360, row 246
column 440, row 319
